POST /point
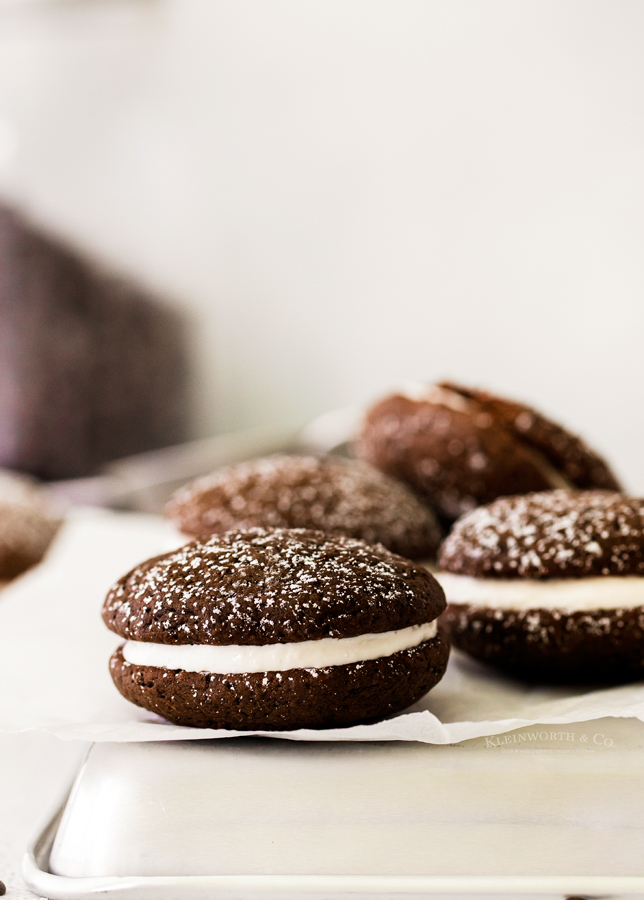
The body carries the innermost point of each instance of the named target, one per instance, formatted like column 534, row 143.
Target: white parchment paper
column 54, row 652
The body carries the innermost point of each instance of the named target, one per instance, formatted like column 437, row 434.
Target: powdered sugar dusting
column 550, row 534
column 268, row 586
column 331, row 494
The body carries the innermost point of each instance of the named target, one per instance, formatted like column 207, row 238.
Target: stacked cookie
column 459, row 448
column 292, row 609
column 544, row 569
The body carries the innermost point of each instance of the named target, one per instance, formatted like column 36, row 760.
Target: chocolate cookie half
column 341, row 496
column 28, row 524
column 276, row 629
column 549, row 586
column 462, row 448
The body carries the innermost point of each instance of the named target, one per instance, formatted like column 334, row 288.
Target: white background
column 346, row 194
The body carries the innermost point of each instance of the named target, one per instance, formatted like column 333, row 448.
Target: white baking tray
column 251, row 818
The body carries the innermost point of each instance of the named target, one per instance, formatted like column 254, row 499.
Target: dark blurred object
column 91, row 368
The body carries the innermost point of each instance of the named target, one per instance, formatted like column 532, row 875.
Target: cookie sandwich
column 460, row 448
column 28, row 524
column 276, row 629
column 549, row 586
column 332, row 494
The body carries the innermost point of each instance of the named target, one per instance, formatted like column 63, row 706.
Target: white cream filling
column 567, row 594
column 234, row 659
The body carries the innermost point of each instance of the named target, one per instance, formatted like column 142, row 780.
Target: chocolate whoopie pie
column 341, row 496
column 549, row 586
column 27, row 525
column 461, row 448
column 276, row 629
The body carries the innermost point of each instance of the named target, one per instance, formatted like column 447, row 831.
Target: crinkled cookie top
column 341, row 496
column 460, row 448
column 266, row 586
column 551, row 534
